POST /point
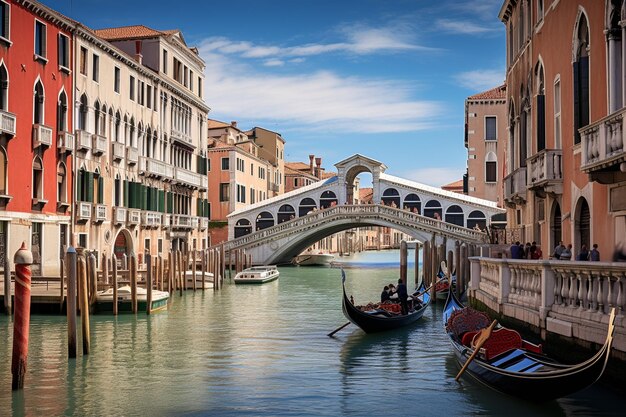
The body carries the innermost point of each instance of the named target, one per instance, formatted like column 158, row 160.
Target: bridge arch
column 306, row 205
column 264, row 220
column 433, row 209
column 477, row 218
column 391, row 197
column 285, row 212
column 328, row 199
column 454, row 215
column 242, row 228
column 413, row 203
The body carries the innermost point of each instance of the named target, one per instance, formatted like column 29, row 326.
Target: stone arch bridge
column 277, row 229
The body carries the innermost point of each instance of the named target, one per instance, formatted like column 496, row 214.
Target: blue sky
column 383, row 78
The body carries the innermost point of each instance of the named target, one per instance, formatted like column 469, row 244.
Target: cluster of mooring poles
column 434, row 255
column 239, row 259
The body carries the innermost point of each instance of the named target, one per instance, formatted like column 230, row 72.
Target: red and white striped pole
column 23, row 260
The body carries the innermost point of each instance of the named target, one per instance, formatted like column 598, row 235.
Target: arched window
column 541, row 108
column 306, row 205
column 491, row 167
column 433, row 209
column 131, row 133
column 511, row 159
column 4, row 164
column 327, row 199
column 83, row 109
column 454, row 215
column 4, row 88
column 583, row 223
column 117, row 191
column 37, row 179
column 38, row 103
column 286, row 212
column 581, row 76
column 97, row 122
column 524, row 125
column 391, row 197
column 242, row 228
column 264, row 220
column 118, row 125
column 61, row 184
column 412, row 203
column 476, row 218
column 614, row 44
column 555, row 225
column 62, row 112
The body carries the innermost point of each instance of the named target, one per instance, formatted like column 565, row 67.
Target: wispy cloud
column 485, row 9
column 465, row 27
column 435, row 177
column 479, row 80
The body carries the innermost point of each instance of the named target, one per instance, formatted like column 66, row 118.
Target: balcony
column 65, row 142
column 181, row 137
column 118, row 151
column 42, row 135
column 545, row 171
column 167, row 221
column 134, row 217
column 83, row 140
column 195, row 222
column 155, row 168
column 99, row 144
column 190, row 178
column 603, row 146
column 7, row 123
column 99, row 213
column 274, row 187
column 515, row 186
column 132, row 155
column 150, row 219
column 83, row 211
column 181, row 221
column 119, row 215
column 204, row 223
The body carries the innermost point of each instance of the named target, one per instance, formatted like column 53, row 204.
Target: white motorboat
column 208, row 279
column 104, row 300
column 257, row 275
column 310, row 258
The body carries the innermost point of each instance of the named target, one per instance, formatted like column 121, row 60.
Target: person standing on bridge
column 402, row 296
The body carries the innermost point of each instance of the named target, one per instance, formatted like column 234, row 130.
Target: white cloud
column 435, row 177
column 274, row 63
column 480, row 80
column 318, row 100
column 465, row 27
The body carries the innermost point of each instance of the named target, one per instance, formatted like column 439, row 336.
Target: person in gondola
column 402, row 297
column 384, row 296
column 392, row 292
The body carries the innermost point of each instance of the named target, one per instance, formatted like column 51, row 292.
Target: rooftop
column 132, row 32
column 493, row 94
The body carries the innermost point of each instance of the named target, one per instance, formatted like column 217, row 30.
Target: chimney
column 311, row 157
column 318, row 170
column 233, row 123
column 138, row 55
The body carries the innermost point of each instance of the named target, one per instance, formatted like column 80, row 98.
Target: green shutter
column 100, row 190
column 125, row 191
column 162, row 201
column 90, row 187
column 79, row 187
column 170, row 203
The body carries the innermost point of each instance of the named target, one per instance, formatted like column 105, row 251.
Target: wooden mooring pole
column 93, row 279
column 148, row 284
column 21, row 324
column 193, row 269
column 70, row 261
column 84, row 303
column 133, row 283
column 114, row 265
column 7, row 286
column 403, row 261
column 417, row 264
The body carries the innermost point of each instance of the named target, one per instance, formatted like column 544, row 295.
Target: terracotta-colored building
column 299, row 174
column 485, row 140
column 566, row 149
column 455, row 187
column 35, row 141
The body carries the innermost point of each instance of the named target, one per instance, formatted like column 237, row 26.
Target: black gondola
column 380, row 320
column 515, row 366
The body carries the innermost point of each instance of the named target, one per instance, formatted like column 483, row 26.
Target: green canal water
column 263, row 351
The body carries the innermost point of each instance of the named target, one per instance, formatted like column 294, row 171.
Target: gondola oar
column 482, row 338
column 337, row 329
column 428, row 289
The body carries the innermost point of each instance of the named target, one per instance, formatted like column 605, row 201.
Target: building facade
column 36, row 142
column 272, row 149
column 565, row 147
column 485, row 141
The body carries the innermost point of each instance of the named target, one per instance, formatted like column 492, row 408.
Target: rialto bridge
column 277, row 229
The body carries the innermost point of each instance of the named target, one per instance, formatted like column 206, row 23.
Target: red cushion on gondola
column 392, row 308
column 467, row 320
column 500, row 341
column 467, row 338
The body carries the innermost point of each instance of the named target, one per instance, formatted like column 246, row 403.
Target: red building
column 35, row 146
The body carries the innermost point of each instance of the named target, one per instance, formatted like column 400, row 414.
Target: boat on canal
column 380, row 317
column 314, row 258
column 512, row 365
column 104, row 300
column 208, row 279
column 257, row 275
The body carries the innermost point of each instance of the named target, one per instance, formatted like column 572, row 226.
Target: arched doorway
column 242, row 228
column 391, row 197
column 327, row 199
column 264, row 220
column 285, row 212
column 583, row 223
column 122, row 247
column 555, row 225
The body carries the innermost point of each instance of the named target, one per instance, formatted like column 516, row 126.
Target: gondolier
column 402, row 296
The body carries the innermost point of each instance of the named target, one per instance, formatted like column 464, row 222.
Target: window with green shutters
column 89, row 188
column 169, row 197
column 100, row 190
column 161, row 198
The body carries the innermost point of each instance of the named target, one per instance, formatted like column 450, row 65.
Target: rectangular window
column 225, row 164
column 149, row 96
column 83, row 60
column 490, row 128
column 82, row 240
column 240, row 165
column 208, row 165
column 164, row 63
column 140, row 92
column 557, row 114
column 178, row 66
column 252, row 169
column 252, row 193
column 241, row 193
column 199, row 87
column 224, row 192
column 185, row 75
column 40, row 39
column 490, row 171
column 5, row 14
column 64, row 52
column 191, row 80
column 132, row 88
column 95, row 67
column 116, row 81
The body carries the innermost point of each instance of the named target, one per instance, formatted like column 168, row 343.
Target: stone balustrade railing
column 537, row 292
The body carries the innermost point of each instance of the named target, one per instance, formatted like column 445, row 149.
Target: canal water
column 263, row 351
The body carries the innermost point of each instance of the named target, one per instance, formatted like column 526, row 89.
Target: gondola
column 380, row 320
column 511, row 365
column 443, row 286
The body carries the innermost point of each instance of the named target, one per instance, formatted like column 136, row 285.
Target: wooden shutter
column 90, row 187
column 541, row 122
column 576, row 101
column 162, row 201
